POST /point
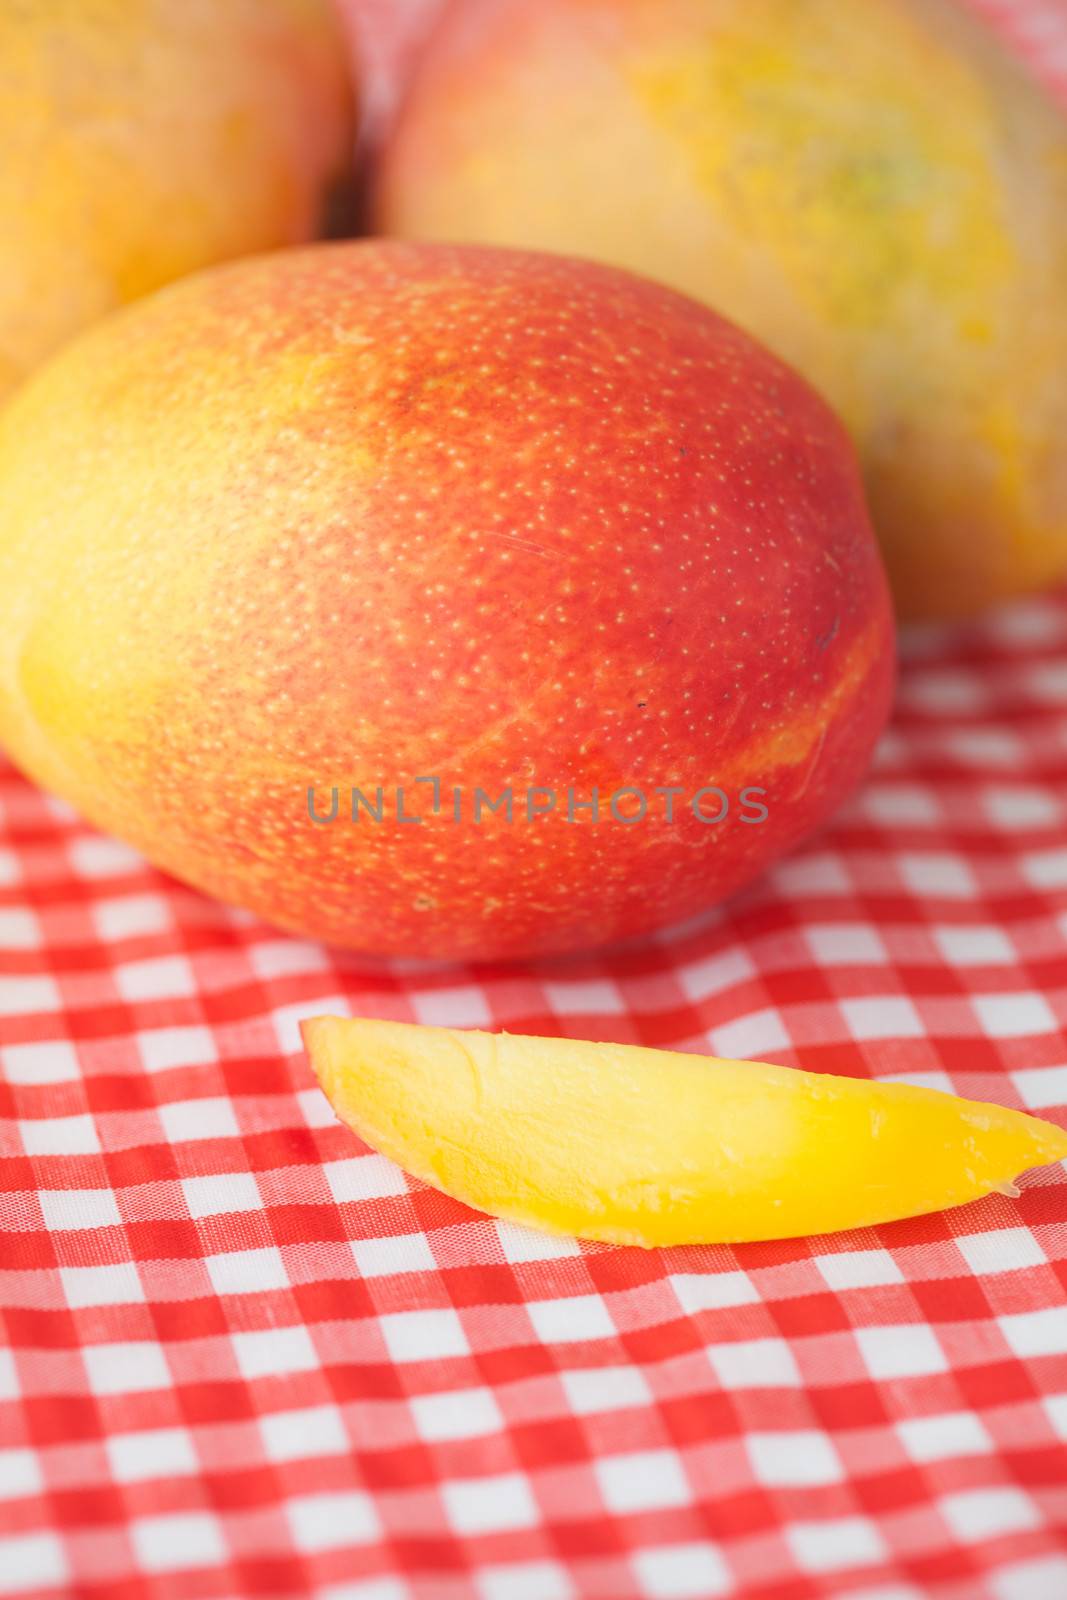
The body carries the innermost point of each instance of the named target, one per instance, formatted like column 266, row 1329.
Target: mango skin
column 651, row 1147
column 876, row 191
column 365, row 512
column 143, row 139
column 386, row 36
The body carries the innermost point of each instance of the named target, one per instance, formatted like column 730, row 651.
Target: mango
column 652, row 1147
column 876, row 191
column 387, row 36
column 143, row 139
column 438, row 601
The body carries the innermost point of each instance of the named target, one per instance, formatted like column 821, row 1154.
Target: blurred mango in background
column 387, row 37
column 142, row 139
column 875, row 190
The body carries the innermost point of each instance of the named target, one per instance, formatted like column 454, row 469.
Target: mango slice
column 652, row 1147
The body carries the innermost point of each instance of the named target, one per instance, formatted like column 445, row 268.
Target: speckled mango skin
column 144, row 139
column 876, row 191
column 366, row 512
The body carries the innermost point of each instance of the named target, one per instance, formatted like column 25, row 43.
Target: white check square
column 1036, row 1333
column 977, row 1514
column 68, row 1210
column 1046, row 869
column 525, row 1580
column 952, row 1433
column 163, row 1048
column 302, row 1435
column 463, row 1006
column 1014, row 1016
column 1056, row 1407
column 713, row 1291
column 9, row 1378
column 220, row 1193
column 858, row 1269
column 97, row 857
column 393, row 1254
column 50, row 1061
column 1021, row 807
column 130, row 916
column 423, row 1335
column 164, row 978
column 699, row 980
column 906, row 1351
column 757, row 1034
column 287, row 1019
column 19, row 930
column 985, row 747
column 32, row 1561
column 590, row 1390
column 694, row 1571
column 266, row 1352
column 20, row 1474
column 363, row 1178
column 571, row 1320
column 247, row 1271
column 489, row 1505
column 581, row 996
column 974, row 946
column 945, row 690
column 1048, row 678
column 1043, row 1578
column 114, row 1285
column 755, row 1364
column 818, row 873
column 178, row 1542
column 185, row 1121
column 60, row 1136
column 315, row 1109
column 456, row 1414
column 151, row 1453
column 278, row 958
column 642, row 1480
column 1040, row 1087
column 899, row 805
column 130, row 1368
column 529, row 1244
column 849, row 944
column 882, row 1016
column 934, row 872
column 1000, row 1250
column 831, row 1545
column 366, row 1589
column 803, row 1458
column 24, row 997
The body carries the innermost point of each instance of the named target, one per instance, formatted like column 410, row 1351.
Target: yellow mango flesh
column 652, row 1147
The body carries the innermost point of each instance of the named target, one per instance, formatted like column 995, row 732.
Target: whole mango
column 435, row 600
column 877, row 191
column 143, row 139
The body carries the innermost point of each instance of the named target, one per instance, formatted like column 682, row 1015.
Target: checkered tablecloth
column 243, row 1356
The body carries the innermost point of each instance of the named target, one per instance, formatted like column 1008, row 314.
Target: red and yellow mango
column 362, row 514
column 142, row 139
column 876, row 191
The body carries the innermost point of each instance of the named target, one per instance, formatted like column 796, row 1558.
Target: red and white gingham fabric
column 243, row 1356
